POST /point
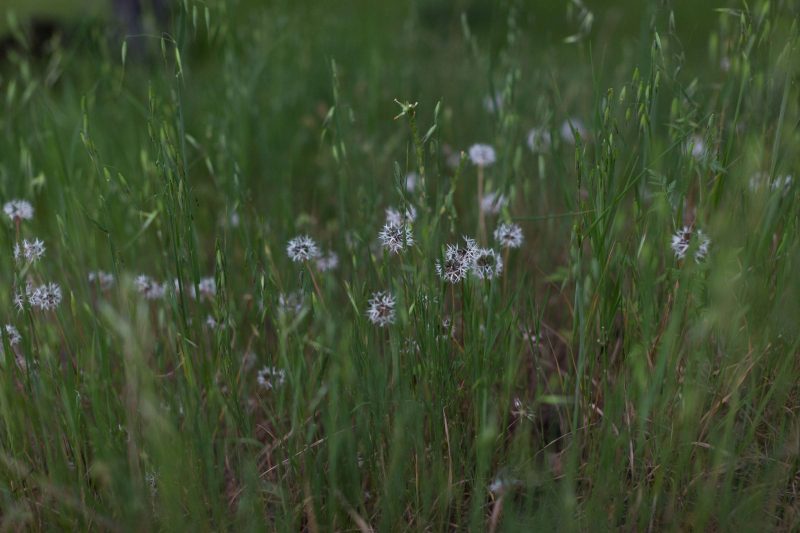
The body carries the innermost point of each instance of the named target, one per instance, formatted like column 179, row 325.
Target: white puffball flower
column 381, row 309
column 482, row 155
column 302, row 248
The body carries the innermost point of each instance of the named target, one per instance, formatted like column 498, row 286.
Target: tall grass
column 600, row 382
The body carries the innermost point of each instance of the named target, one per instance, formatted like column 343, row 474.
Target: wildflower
column 149, row 288
column 381, row 309
column 329, row 261
column 47, row 297
column 682, row 240
column 520, row 410
column 207, row 288
column 302, row 248
column 269, row 377
column 19, row 301
column 493, row 202
column 103, row 279
column 13, row 336
column 571, row 124
column 396, row 238
column 487, row 264
column 539, row 140
column 482, row 155
column 508, row 235
column 502, row 484
column 457, row 261
column 211, row 322
column 451, row 270
column 411, row 181
column 393, row 216
column 697, row 147
column 31, row 251
column 18, row 210
column 291, row 303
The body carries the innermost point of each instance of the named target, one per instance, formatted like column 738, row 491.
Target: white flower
column 149, row 288
column 393, row 216
column 269, row 377
column 482, row 155
column 46, row 297
column 19, row 300
column 411, row 181
column 451, row 270
column 508, row 235
column 302, row 248
column 568, row 125
column 697, row 147
column 31, row 251
column 396, row 238
column 329, row 261
column 520, row 410
column 103, row 279
column 291, row 303
column 487, row 264
column 381, row 309
column 234, row 220
column 211, row 322
column 683, row 239
column 13, row 336
column 457, row 261
column 18, row 210
column 207, row 287
column 539, row 140
column 493, row 202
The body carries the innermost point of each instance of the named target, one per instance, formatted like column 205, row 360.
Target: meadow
column 387, row 266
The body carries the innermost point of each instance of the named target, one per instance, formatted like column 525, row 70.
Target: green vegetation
column 619, row 373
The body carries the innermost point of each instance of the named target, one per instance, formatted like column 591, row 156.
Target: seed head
column 482, row 155
column 291, row 303
column 18, row 210
column 30, row 251
column 508, row 235
column 46, row 298
column 149, row 288
column 697, row 147
column 451, row 270
column 381, row 309
column 103, row 279
column 683, row 239
column 539, row 140
column 329, row 261
column 269, row 377
column 395, row 217
column 207, row 288
column 487, row 264
column 302, row 249
column 396, row 238
column 13, row 336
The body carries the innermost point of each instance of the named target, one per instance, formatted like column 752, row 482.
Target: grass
column 600, row 382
